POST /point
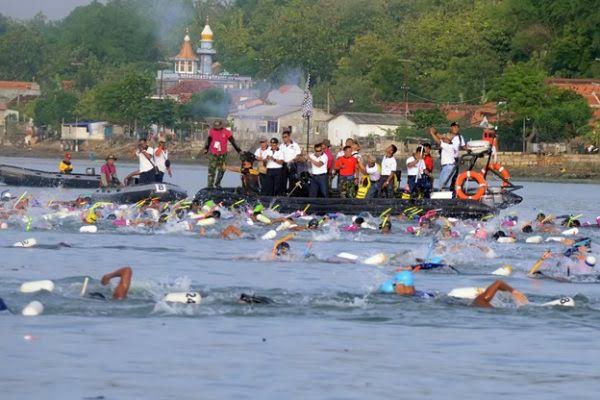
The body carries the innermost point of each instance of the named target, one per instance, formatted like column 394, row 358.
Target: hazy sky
column 53, row 9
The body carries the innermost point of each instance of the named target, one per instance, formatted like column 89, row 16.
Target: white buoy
column 283, row 226
column 570, row 232
column 206, row 221
column 26, row 243
column 506, row 239
column 505, row 270
column 347, row 256
column 183, row 297
column 377, row 259
column 555, row 239
column 534, row 239
column 262, row 218
column 88, row 229
column 562, row 302
column 36, row 286
column 33, row 309
column 269, row 235
column 469, row 293
column 249, row 221
column 3, row 225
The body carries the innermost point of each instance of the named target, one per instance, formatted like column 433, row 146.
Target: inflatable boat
column 135, row 193
column 18, row 176
column 455, row 208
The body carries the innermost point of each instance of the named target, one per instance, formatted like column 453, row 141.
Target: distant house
column 86, row 130
column 588, row 88
column 361, row 125
column 16, row 91
column 271, row 119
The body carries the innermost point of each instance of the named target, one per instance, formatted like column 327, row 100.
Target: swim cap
column 209, row 204
column 282, row 248
column 435, row 260
column 498, row 234
column 258, row 209
column 387, row 287
column 313, row 223
column 385, row 224
column 358, row 220
column 527, row 229
column 405, row 278
column 480, row 233
column 216, row 214
column 590, row 261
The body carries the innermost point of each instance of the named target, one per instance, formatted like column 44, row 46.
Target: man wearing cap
column 458, row 143
column 216, row 147
column 447, row 157
column 161, row 160
column 145, row 157
column 108, row 172
column 65, row 166
column 291, row 152
column 260, row 155
column 274, row 159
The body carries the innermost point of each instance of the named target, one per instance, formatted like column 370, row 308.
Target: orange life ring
column 503, row 172
column 468, row 175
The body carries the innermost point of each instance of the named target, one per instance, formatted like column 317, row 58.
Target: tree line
column 360, row 53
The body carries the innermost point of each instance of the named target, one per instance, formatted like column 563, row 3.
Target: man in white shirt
column 414, row 168
column 447, row 158
column 458, row 144
column 274, row 178
column 260, row 155
column 161, row 160
column 318, row 172
column 291, row 150
column 388, row 172
column 145, row 155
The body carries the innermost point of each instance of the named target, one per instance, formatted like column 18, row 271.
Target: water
column 328, row 336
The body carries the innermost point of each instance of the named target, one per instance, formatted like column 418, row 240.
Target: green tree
column 433, row 117
column 55, row 107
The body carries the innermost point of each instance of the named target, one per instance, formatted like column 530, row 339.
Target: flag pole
column 307, row 134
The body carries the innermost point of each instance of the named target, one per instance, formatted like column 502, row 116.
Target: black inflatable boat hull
column 17, row 176
column 463, row 209
column 135, row 193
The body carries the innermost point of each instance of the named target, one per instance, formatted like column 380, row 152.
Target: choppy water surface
column 329, row 335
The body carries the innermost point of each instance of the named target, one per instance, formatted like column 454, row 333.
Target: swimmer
column 385, row 227
column 485, row 298
column 281, row 249
column 122, row 288
column 403, row 284
column 229, row 231
column 254, row 299
column 3, row 306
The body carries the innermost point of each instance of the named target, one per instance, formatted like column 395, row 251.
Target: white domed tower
column 206, row 51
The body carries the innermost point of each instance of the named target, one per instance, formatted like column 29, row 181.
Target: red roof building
column 588, row 88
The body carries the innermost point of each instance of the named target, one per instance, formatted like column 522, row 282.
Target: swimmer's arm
column 283, row 239
column 539, row 262
column 485, row 298
column 122, row 288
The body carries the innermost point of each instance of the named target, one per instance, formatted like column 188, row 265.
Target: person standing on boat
column 291, row 152
column 388, row 171
column 65, row 166
column 216, row 148
column 428, row 160
column 108, row 173
column 371, row 170
column 146, row 169
column 458, row 144
column 319, row 180
column 161, row 160
column 274, row 178
column 447, row 157
column 347, row 168
column 262, row 164
column 414, row 168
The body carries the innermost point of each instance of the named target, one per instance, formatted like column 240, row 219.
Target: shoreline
column 187, row 154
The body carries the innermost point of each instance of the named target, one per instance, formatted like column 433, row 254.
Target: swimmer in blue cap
column 404, row 283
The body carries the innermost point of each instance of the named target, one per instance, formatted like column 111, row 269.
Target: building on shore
column 359, row 125
column 86, row 130
column 194, row 71
column 588, row 88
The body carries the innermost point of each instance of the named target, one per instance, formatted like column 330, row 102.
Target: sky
column 53, row 9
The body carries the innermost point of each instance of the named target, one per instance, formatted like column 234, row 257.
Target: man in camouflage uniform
column 216, row 147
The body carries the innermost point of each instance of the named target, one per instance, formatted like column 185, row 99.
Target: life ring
column 503, row 172
column 462, row 177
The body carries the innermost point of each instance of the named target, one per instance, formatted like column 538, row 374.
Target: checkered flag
column 307, row 102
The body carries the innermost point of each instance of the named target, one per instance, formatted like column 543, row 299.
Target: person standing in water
column 216, row 148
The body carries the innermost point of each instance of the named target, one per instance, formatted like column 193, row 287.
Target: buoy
column 466, row 292
column 562, row 302
column 283, row 226
column 570, row 232
column 3, row 225
column 269, row 235
column 206, row 221
column 183, row 297
column 36, row 286
column 506, row 239
column 377, row 259
column 555, row 239
column 534, row 239
column 505, row 270
column 33, row 309
column 88, row 229
column 26, row 243
column 347, row 256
